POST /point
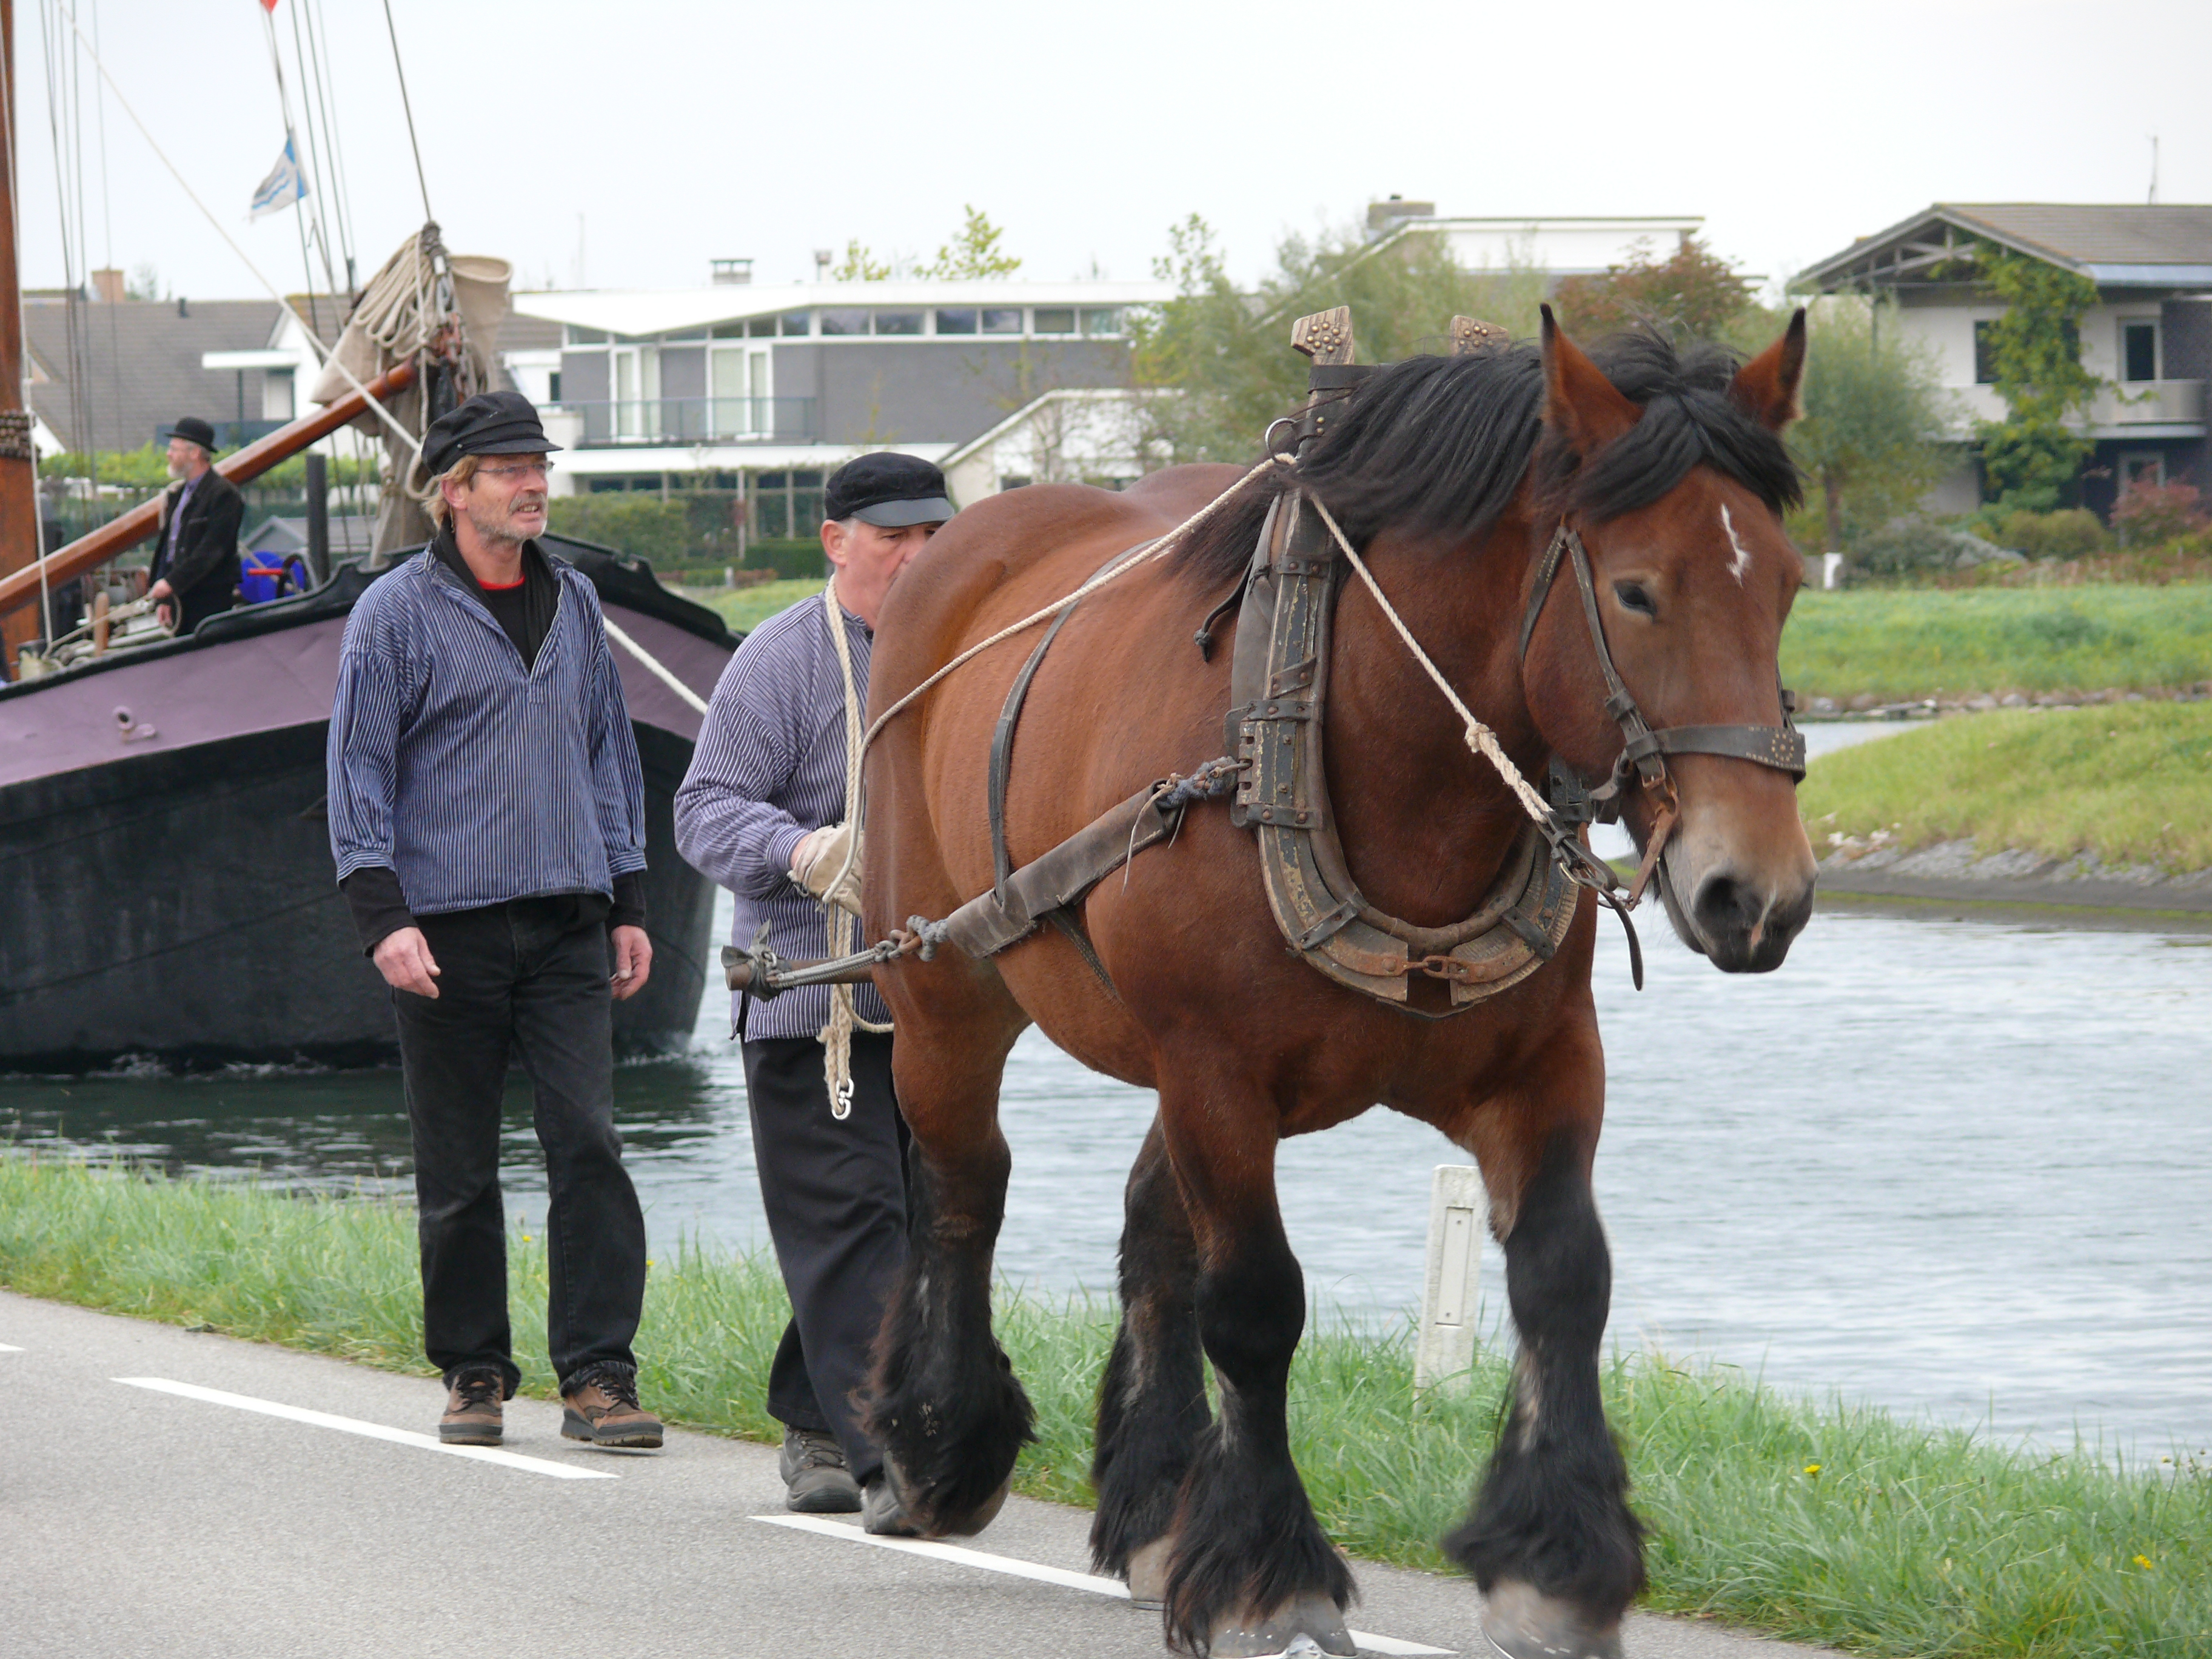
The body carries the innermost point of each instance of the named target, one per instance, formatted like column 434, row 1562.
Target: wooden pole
column 19, row 467
column 118, row 535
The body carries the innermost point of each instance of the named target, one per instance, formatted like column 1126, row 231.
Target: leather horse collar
column 1644, row 749
column 1277, row 690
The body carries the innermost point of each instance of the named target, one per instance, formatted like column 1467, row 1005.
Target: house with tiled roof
column 2150, row 335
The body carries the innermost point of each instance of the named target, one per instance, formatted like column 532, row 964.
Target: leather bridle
column 1644, row 750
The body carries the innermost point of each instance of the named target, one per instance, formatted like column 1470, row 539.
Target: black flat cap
column 193, row 430
column 887, row 490
column 489, row 423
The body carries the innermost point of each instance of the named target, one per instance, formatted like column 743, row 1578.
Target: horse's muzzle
column 1740, row 924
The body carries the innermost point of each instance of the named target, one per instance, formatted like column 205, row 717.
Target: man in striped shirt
column 487, row 812
column 759, row 813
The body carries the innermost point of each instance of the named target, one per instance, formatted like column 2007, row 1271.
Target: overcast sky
column 662, row 133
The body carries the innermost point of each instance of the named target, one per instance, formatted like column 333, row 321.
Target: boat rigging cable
column 328, row 357
column 341, row 199
column 400, row 69
column 303, row 221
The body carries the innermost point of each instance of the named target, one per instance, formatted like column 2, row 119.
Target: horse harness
column 1278, row 679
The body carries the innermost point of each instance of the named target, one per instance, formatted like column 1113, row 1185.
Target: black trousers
column 836, row 1197
column 526, row 979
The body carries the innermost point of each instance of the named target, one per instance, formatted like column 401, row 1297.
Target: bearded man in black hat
column 764, row 810
column 195, row 571
column 487, row 812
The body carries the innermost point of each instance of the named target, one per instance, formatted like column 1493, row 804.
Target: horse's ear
column 1767, row 384
column 1578, row 400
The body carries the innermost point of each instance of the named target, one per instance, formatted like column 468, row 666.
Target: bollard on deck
column 1444, row 1358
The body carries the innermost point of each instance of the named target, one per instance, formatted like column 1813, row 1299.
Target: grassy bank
column 1834, row 1525
column 1893, row 644
column 2131, row 782
column 746, row 607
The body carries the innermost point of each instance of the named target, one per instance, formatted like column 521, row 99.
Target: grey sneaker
column 882, row 1513
column 814, row 1477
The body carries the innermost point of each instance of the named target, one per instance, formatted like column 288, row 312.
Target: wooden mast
column 19, row 481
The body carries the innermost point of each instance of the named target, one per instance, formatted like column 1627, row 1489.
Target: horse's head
column 1671, row 473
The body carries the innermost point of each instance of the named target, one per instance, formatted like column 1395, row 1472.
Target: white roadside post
column 1445, row 1357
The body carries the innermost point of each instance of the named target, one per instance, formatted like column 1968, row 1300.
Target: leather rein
column 1644, row 749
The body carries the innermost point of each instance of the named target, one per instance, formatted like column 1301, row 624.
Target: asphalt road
column 174, row 1495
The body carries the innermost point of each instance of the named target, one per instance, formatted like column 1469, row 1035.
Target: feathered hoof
column 937, row 1522
column 1304, row 1628
column 1522, row 1622
column 1148, row 1574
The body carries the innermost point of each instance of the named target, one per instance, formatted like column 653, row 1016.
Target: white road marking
column 9, row 1347
column 1742, row 561
column 964, row 1557
column 371, row 1431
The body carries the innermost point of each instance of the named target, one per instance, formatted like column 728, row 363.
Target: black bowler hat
column 193, row 430
column 887, row 490
column 489, row 423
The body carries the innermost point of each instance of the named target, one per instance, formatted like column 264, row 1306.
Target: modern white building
column 767, row 389
column 1558, row 247
column 2150, row 335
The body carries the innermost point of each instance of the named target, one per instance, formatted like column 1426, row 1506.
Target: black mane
column 1440, row 446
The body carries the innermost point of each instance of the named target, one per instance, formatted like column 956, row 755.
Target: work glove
column 818, row 858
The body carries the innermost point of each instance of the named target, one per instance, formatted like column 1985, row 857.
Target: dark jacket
column 204, row 567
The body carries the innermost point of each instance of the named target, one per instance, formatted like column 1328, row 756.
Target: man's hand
column 163, row 592
column 403, row 957
column 633, row 962
column 810, row 848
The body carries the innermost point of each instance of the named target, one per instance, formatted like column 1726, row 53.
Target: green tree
column 2033, row 457
column 1227, row 352
column 1875, row 412
column 972, row 252
column 860, row 265
column 1692, row 292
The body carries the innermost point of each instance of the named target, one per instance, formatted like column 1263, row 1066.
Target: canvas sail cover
column 423, row 300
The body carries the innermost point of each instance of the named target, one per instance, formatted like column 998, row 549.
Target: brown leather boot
column 472, row 1413
column 603, row 1409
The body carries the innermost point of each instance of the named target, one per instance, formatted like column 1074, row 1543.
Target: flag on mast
column 284, row 185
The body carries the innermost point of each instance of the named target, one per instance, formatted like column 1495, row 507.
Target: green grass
column 1893, row 644
column 746, row 607
column 1822, row 1524
column 2131, row 783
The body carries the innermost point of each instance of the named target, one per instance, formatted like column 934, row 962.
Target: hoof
column 938, row 1523
column 1303, row 1628
column 1148, row 1575
column 1522, row 1622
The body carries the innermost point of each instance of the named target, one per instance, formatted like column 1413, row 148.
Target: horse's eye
column 1632, row 597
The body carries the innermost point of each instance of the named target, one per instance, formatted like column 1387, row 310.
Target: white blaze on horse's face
column 1741, row 562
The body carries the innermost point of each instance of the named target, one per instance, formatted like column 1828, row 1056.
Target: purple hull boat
column 166, row 885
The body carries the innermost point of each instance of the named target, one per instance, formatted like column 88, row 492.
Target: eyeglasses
column 540, row 469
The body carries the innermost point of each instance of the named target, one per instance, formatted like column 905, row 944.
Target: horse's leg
column 1152, row 1402
column 1249, row 1570
column 1551, row 1540
column 943, row 1401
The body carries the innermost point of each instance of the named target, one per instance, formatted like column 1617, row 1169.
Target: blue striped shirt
column 769, row 767
column 473, row 778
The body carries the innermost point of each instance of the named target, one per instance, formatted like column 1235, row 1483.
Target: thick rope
column 844, row 1020
column 1480, row 737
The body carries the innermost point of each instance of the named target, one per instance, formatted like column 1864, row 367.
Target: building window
column 796, row 322
column 553, row 387
column 2139, row 351
column 1055, row 319
column 898, row 322
column 956, row 319
column 1985, row 372
column 1103, row 323
column 786, row 504
column 844, row 320
column 583, row 337
column 2145, row 469
column 276, row 394
column 1002, row 320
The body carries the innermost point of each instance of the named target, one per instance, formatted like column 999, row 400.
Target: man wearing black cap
column 487, row 812
column 195, row 571
column 764, row 813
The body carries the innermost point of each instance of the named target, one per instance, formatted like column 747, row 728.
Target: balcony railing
column 615, row 422
column 2150, row 402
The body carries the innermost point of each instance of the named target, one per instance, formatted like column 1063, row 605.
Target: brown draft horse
column 1450, row 474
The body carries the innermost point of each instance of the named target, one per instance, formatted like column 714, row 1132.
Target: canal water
column 1955, row 1168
